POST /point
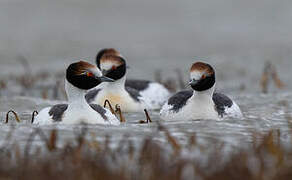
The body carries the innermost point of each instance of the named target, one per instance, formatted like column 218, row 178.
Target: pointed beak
column 193, row 82
column 105, row 79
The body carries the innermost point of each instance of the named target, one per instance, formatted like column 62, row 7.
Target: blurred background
column 39, row 39
column 236, row 37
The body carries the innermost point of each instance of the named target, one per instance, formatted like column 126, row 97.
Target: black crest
column 119, row 72
column 76, row 76
column 205, row 83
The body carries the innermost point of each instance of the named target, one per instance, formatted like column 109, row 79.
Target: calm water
column 237, row 38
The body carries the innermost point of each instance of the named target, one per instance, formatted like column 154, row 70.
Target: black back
column 80, row 81
column 140, row 85
column 133, row 93
column 57, row 111
column 91, row 95
column 99, row 109
column 221, row 101
column 179, row 99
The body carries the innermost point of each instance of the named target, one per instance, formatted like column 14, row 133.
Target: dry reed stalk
column 15, row 115
column 34, row 113
column 271, row 160
column 276, row 79
column 119, row 111
column 269, row 73
column 265, row 79
column 148, row 119
column 110, row 106
column 176, row 146
column 51, row 144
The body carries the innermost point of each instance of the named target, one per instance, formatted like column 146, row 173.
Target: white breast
column 76, row 115
column 43, row 117
column 195, row 108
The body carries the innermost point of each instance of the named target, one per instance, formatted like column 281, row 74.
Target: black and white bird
column 131, row 95
column 80, row 77
column 201, row 102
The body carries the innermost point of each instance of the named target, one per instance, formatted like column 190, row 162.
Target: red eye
column 89, row 74
column 203, row 76
column 114, row 67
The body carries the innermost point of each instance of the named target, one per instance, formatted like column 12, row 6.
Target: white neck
column 75, row 95
column 200, row 106
column 117, row 85
column 78, row 109
column 204, row 95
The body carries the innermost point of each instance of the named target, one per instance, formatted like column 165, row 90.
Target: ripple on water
column 261, row 113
